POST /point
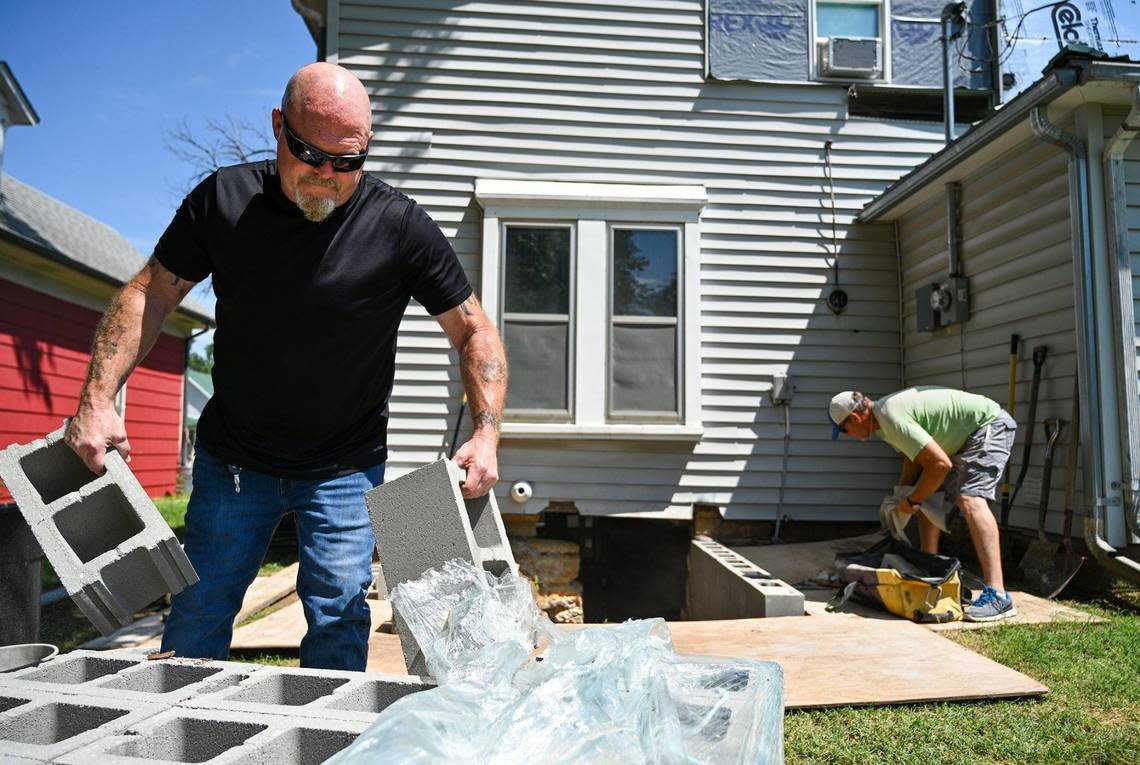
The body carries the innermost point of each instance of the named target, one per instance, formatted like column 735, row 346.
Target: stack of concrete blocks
column 110, row 547
column 723, row 584
column 421, row 521
column 118, row 707
column 552, row 565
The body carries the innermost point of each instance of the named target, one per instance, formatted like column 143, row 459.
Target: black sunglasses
column 311, row 155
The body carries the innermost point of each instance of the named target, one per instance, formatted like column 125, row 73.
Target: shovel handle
column 1052, row 432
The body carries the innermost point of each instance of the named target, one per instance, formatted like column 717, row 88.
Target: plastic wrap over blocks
column 421, row 521
column 120, row 706
column 108, row 543
column 725, row 585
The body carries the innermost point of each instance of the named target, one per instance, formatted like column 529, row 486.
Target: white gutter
column 1101, row 456
column 1119, row 249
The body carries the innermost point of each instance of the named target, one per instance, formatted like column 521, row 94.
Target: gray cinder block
column 44, row 726
column 314, row 694
column 221, row 738
column 421, row 521
column 127, row 674
column 108, row 543
column 723, row 584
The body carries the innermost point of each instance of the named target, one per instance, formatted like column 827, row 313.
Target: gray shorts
column 979, row 464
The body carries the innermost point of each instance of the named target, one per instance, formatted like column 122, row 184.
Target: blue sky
column 110, row 80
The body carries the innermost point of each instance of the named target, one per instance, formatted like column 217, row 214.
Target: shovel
column 1067, row 562
column 1037, row 564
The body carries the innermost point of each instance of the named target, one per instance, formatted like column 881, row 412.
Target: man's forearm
column 123, row 337
column 483, row 365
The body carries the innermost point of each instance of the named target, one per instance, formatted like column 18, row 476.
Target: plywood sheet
column 845, row 659
column 838, row 660
column 285, row 627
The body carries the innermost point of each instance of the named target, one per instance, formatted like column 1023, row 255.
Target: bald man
column 313, row 264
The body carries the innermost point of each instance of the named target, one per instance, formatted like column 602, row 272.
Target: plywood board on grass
column 285, row 627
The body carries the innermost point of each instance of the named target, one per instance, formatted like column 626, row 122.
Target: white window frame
column 884, row 37
column 593, row 209
column 549, row 415
column 677, row 320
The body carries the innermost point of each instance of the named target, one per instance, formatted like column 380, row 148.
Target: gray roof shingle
column 36, row 221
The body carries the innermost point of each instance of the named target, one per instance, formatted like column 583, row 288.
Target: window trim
column 884, row 41
column 543, row 415
column 591, row 208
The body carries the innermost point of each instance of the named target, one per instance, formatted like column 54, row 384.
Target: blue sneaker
column 990, row 607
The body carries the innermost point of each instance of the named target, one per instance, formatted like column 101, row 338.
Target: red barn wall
column 44, row 349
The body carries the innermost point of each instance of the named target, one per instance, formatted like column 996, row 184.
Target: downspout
column 902, row 304
column 1089, row 373
column 1129, row 398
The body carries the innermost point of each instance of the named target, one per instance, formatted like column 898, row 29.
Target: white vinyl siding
column 597, row 92
column 1017, row 254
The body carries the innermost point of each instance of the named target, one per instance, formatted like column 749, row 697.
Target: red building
column 58, row 270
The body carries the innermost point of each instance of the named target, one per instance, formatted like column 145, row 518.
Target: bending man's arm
column 483, row 365
column 124, row 336
column 935, row 466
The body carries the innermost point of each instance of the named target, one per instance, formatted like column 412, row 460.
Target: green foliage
column 173, row 511
column 202, row 363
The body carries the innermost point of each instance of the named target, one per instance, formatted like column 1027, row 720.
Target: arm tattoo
column 467, row 305
column 492, row 370
column 487, row 417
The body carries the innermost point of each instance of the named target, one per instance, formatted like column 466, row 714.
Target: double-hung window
column 595, row 289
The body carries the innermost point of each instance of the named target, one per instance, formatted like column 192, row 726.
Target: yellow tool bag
column 903, row 580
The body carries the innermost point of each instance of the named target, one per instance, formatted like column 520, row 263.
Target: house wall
column 1017, row 254
column 598, row 92
column 44, row 350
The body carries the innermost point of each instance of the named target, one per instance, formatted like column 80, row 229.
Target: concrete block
column 723, row 584
column 44, row 726
column 313, row 694
column 421, row 521
column 221, row 738
column 108, row 543
column 128, row 674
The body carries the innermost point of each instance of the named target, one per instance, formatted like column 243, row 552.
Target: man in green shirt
column 960, row 442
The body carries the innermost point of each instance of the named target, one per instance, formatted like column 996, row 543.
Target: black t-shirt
column 304, row 351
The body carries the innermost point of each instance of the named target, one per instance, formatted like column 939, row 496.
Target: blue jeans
column 227, row 534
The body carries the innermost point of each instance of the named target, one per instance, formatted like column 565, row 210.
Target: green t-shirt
column 910, row 418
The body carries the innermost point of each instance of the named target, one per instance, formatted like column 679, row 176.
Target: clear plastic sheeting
column 514, row 688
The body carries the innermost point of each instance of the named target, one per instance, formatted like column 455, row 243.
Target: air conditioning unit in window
column 855, row 57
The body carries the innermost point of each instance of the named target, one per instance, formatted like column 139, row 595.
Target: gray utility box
column 943, row 303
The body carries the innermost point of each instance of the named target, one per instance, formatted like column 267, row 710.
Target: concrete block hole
column 55, row 471
column 160, row 678
column 188, row 739
column 134, row 579
column 373, row 697
column 80, row 670
column 302, row 746
column 7, row 702
column 290, row 690
column 53, row 723
column 101, row 523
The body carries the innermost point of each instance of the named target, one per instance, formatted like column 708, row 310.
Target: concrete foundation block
column 221, row 738
column 723, row 584
column 108, row 543
column 45, row 726
column 128, row 674
column 319, row 695
column 421, row 521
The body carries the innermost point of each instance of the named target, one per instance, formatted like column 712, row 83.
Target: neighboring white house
column 657, row 246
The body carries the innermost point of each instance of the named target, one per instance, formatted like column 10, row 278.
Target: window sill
column 619, row 432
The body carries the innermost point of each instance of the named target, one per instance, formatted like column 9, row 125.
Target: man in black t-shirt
column 313, row 264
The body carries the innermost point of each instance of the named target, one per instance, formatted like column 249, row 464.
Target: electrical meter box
column 943, row 303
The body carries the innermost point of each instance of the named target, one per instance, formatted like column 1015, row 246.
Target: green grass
column 1091, row 716
column 173, row 510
